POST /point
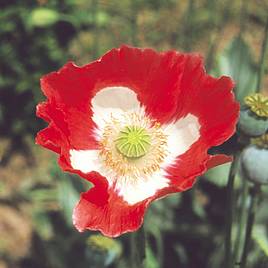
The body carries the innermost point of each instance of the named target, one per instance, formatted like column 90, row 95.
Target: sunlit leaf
column 43, row 17
column 219, row 175
column 102, row 18
column 102, row 251
column 41, row 195
column 260, row 236
column 151, row 260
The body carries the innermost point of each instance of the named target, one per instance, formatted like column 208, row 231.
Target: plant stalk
column 255, row 193
column 241, row 222
column 138, row 248
column 229, row 210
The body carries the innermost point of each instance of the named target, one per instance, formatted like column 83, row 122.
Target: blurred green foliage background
column 36, row 198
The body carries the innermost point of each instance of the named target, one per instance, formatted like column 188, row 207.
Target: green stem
column 229, row 210
column 138, row 248
column 262, row 58
column 241, row 221
column 250, row 222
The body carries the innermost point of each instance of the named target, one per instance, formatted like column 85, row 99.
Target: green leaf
column 156, row 233
column 150, row 260
column 42, row 225
column 43, row 17
column 102, row 18
column 68, row 197
column 102, row 251
column 42, row 195
column 237, row 62
column 260, row 237
column 219, row 175
column 99, row 18
column 160, row 216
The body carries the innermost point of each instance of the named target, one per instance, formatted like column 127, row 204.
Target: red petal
column 170, row 85
column 188, row 166
column 218, row 159
column 113, row 217
column 212, row 101
column 153, row 76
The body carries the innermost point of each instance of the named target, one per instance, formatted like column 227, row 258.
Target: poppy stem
column 262, row 58
column 138, row 248
column 254, row 198
column 241, row 221
column 229, row 210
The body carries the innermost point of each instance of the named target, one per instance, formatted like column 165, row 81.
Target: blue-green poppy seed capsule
column 251, row 125
column 254, row 164
column 133, row 142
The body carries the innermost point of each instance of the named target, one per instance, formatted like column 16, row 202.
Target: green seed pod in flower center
column 133, row 142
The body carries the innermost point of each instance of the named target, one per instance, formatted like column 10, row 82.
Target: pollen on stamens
column 133, row 145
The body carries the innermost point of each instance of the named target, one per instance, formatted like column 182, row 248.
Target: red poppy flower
column 138, row 125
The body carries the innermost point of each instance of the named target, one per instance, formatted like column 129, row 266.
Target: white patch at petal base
column 112, row 100
column 181, row 135
column 132, row 191
column 138, row 190
column 117, row 98
column 85, row 160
